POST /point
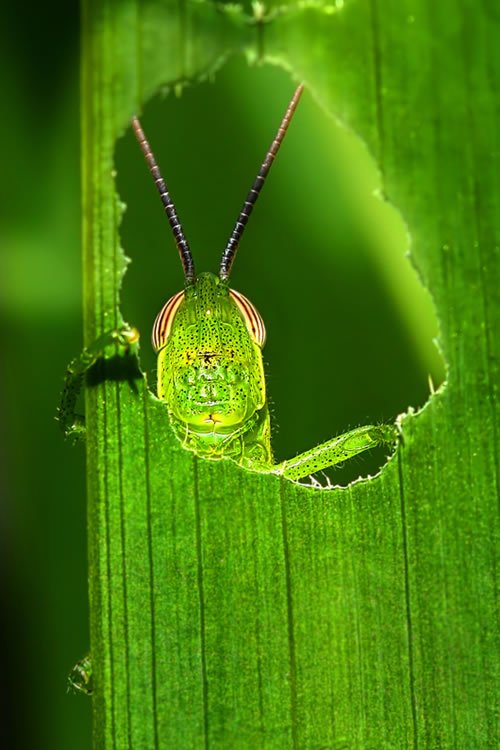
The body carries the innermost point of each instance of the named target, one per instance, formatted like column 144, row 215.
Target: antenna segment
column 180, row 240
column 239, row 227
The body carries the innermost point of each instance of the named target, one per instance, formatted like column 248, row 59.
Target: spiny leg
column 80, row 677
column 336, row 451
column 73, row 424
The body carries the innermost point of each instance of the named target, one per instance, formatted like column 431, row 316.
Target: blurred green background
column 349, row 326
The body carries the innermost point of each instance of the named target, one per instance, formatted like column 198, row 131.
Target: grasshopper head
column 209, row 337
column 209, row 340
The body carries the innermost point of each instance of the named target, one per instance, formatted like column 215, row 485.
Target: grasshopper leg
column 122, row 339
column 80, row 677
column 336, row 451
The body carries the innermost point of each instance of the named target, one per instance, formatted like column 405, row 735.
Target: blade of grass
column 233, row 610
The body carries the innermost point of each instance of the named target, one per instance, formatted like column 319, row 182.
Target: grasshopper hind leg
column 336, row 451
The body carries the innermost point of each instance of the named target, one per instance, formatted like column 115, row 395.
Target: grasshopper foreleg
column 122, row 339
column 80, row 677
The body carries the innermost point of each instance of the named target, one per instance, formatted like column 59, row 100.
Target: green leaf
column 233, row 610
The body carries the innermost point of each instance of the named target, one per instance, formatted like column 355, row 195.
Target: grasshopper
column 209, row 340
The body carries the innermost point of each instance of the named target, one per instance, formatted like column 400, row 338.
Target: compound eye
column 251, row 316
column 164, row 320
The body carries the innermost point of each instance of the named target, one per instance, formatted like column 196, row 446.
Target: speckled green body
column 211, row 377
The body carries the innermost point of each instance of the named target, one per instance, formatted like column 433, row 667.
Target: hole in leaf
column 350, row 326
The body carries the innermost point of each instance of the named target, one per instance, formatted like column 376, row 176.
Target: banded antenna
column 239, row 227
column 180, row 240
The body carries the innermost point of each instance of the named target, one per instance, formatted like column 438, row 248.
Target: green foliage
column 44, row 578
column 235, row 610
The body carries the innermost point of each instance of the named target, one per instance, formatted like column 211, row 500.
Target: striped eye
column 164, row 320
column 252, row 318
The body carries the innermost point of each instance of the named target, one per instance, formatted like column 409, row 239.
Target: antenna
column 239, row 227
column 180, row 240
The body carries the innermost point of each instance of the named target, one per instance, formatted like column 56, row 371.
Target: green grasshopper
column 209, row 341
